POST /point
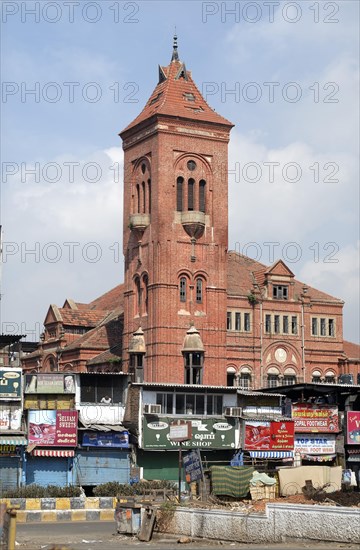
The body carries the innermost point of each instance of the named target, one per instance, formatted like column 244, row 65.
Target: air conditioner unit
column 152, row 409
column 232, row 411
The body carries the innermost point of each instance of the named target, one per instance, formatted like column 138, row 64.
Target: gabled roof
column 351, row 350
column 279, row 268
column 243, row 272
column 176, row 95
column 112, row 299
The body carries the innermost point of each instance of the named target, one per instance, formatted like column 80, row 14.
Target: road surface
column 99, row 536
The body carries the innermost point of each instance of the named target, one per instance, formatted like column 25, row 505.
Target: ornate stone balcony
column 194, row 223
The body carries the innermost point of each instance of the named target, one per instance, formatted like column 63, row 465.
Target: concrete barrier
column 279, row 523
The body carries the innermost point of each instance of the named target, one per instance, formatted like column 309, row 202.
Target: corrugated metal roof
column 183, row 386
column 252, row 393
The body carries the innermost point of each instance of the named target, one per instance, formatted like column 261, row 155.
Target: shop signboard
column 101, row 439
column 207, row 433
column 50, row 383
column 10, row 418
column 10, row 450
column 353, row 427
column 51, row 428
column 269, row 435
column 312, row 445
column 193, row 466
column 309, row 417
column 10, row 383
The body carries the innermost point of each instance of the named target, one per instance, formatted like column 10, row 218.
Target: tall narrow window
column 247, row 322
column 277, row 324
column 229, row 321
column 331, row 327
column 138, row 296
column 149, row 195
column 285, row 324
column 323, row 327
column 191, row 184
column 202, row 205
column 146, row 300
column 237, row 320
column 199, row 291
column 138, row 198
column 268, row 323
column 314, row 326
column 143, row 197
column 179, row 194
column 183, row 289
column 294, row 325
column 193, row 367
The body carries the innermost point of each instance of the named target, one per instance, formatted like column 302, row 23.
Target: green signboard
column 10, row 383
column 207, row 433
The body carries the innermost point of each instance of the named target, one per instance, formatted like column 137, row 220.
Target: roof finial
column 175, row 55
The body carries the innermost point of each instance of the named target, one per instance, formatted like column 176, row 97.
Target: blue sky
column 305, row 53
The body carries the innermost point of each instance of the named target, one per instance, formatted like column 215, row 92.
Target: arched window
column 52, row 364
column 182, row 289
column 138, row 296
column 179, row 194
column 230, row 376
column 273, row 380
column 143, row 188
column 199, row 291
column 191, row 184
column 245, row 380
column 149, row 195
column 202, row 204
column 145, row 286
column 138, row 198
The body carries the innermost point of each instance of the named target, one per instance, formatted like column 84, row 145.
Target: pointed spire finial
column 175, row 55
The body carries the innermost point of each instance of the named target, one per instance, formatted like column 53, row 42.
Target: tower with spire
column 175, row 231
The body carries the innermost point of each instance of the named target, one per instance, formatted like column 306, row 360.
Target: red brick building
column 200, row 314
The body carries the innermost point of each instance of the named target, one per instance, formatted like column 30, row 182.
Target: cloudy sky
column 74, row 74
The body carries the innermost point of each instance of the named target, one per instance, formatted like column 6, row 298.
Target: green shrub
column 37, row 491
column 113, row 488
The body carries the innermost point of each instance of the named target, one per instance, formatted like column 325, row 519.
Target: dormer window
column 189, row 97
column 280, row 292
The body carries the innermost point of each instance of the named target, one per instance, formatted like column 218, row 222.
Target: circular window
column 191, row 165
column 143, row 168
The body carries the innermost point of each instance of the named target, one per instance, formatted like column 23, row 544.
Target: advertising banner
column 315, row 418
column 353, row 427
column 268, row 435
column 308, row 444
column 210, row 433
column 10, row 418
column 10, row 383
column 193, row 466
column 53, row 428
column 100, row 439
column 49, row 383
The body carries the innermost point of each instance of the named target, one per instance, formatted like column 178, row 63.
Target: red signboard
column 268, row 436
column 315, row 418
column 53, row 428
column 353, row 428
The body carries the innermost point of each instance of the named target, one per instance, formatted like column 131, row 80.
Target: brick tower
column 176, row 234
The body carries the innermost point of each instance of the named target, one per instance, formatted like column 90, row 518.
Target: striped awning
column 12, row 440
column 271, row 454
column 53, row 452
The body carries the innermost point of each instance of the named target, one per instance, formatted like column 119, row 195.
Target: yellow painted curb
column 91, row 503
column 78, row 515
column 49, row 515
column 106, row 514
column 33, row 504
column 21, row 516
column 62, row 503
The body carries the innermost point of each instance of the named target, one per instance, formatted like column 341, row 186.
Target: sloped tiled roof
column 242, row 272
column 178, row 96
column 82, row 317
column 106, row 335
column 109, row 301
column 351, row 350
column 112, row 354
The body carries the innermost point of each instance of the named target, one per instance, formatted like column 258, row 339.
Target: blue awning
column 271, row 454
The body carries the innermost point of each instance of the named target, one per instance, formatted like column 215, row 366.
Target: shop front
column 101, row 458
column 216, row 438
column 52, row 439
column 11, row 461
column 268, row 440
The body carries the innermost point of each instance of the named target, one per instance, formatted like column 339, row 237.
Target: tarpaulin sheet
column 233, row 481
